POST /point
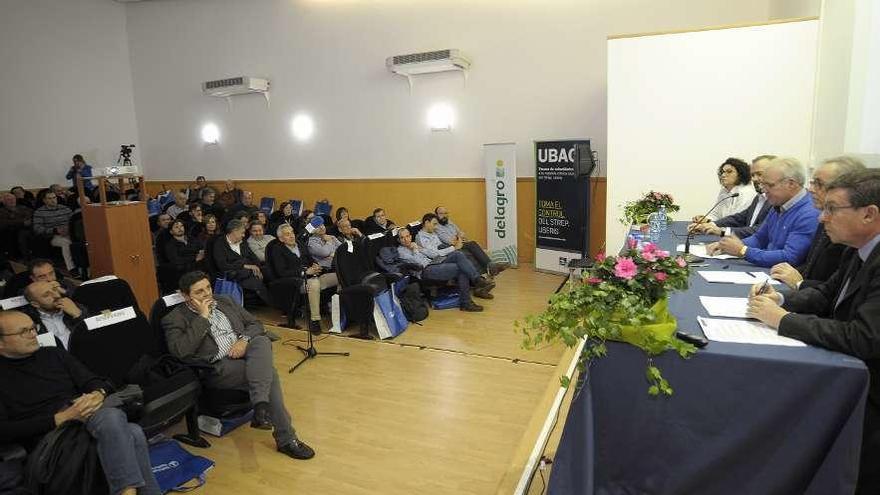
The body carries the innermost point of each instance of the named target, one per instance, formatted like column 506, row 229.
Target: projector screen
column 680, row 104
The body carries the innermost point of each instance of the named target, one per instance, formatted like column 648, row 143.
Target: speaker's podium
column 119, row 240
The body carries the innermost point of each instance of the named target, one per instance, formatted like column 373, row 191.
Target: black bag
column 65, row 461
column 414, row 305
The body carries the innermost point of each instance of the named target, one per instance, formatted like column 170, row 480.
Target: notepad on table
column 700, row 250
column 726, row 277
column 728, row 307
column 744, row 332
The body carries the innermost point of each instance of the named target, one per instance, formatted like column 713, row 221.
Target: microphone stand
column 688, row 257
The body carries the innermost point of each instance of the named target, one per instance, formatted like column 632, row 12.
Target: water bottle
column 654, row 227
column 664, row 219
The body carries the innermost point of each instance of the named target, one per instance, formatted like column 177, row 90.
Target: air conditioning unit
column 428, row 62
column 242, row 85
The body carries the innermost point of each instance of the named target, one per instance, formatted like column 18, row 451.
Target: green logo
column 499, row 168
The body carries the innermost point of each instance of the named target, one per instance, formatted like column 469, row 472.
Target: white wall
column 788, row 9
column 679, row 104
column 539, row 72
column 66, row 80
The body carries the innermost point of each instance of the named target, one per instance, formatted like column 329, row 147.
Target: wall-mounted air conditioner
column 428, row 63
column 233, row 86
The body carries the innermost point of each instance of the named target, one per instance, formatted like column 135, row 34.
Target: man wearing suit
column 234, row 257
column 746, row 222
column 843, row 313
column 786, row 233
column 219, row 332
column 824, row 256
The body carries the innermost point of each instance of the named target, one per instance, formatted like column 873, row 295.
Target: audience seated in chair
column 195, row 190
column 57, row 313
column 177, row 249
column 15, row 227
column 233, row 258
column 291, row 260
column 246, row 205
column 450, row 235
column 23, row 197
column 230, row 195
column 209, row 204
column 218, row 332
column 322, row 246
column 51, row 221
column 42, row 270
column 377, row 223
column 179, row 205
column 258, row 240
column 345, row 232
column 42, row 388
column 284, row 214
column 454, row 266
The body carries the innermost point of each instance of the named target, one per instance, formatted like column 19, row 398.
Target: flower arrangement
column 636, row 212
column 622, row 298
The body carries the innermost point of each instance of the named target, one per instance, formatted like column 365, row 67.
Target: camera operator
column 81, row 168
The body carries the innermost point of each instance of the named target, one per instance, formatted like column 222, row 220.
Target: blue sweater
column 784, row 237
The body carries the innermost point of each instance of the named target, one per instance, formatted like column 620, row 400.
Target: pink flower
column 661, row 276
column 600, row 256
column 625, row 268
column 594, row 281
column 681, row 262
column 631, row 243
column 649, row 256
column 649, row 247
column 662, row 254
column 658, row 195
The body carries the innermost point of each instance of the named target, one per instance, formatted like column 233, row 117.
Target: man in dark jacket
column 45, row 387
column 824, row 256
column 233, row 257
column 377, row 223
column 15, row 227
column 843, row 313
column 57, row 313
column 219, row 332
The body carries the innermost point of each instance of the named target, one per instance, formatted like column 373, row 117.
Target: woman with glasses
column 736, row 192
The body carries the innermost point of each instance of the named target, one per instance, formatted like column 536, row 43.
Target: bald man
column 45, row 387
column 56, row 313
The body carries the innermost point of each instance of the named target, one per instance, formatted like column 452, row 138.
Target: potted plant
column 623, row 298
column 636, row 212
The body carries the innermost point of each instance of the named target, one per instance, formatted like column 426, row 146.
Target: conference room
column 357, row 247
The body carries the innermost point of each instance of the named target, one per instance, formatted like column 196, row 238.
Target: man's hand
column 700, row 219
column 356, row 232
column 765, row 290
column 730, row 245
column 767, row 310
column 255, row 270
column 787, row 274
column 203, row 306
column 457, row 243
column 314, row 269
column 237, row 350
column 82, row 408
column 200, row 255
column 713, row 248
column 69, row 307
column 705, row 228
column 327, row 238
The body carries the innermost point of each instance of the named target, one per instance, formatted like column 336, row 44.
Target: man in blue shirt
column 454, row 266
column 788, row 230
column 81, row 168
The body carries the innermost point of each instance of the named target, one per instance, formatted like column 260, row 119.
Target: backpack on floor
column 413, row 302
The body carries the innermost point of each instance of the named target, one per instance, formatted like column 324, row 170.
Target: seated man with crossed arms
column 219, row 332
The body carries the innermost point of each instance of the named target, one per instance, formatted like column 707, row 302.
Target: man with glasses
column 745, row 222
column 843, row 313
column 824, row 256
column 44, row 387
column 785, row 235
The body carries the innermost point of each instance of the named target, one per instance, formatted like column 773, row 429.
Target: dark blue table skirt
column 744, row 419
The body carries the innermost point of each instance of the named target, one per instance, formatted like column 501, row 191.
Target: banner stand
column 499, row 164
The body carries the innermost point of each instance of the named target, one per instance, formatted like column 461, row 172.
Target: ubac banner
column 562, row 189
column 499, row 162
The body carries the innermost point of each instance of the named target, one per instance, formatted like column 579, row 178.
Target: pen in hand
column 763, row 288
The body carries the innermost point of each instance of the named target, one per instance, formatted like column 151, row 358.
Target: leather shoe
column 483, row 294
column 496, row 268
column 315, row 327
column 482, row 283
column 471, row 307
column 262, row 420
column 297, row 450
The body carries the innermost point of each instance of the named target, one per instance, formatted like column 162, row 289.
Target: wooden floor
column 446, row 408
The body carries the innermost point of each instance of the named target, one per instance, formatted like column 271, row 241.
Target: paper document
column 745, row 278
column 744, row 332
column 729, row 307
column 700, row 250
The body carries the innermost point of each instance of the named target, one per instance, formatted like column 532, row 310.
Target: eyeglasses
column 24, row 331
column 830, row 209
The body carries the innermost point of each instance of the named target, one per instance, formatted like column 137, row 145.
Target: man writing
column 786, row 233
column 44, row 387
column 843, row 313
column 219, row 332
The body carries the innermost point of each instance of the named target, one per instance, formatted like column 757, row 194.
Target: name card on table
column 377, row 235
column 105, row 278
column 173, row 299
column 108, row 318
column 13, row 302
column 46, row 340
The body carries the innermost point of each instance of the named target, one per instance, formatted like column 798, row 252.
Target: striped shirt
column 221, row 331
column 46, row 219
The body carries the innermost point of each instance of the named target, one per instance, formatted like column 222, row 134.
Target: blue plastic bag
column 174, row 467
column 446, row 300
column 388, row 315
column 224, row 287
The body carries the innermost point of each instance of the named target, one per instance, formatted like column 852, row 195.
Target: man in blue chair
column 222, row 334
column 788, row 230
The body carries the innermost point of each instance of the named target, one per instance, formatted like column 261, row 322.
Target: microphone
column 687, row 241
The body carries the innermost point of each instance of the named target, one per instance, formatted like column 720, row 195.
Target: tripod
column 310, row 352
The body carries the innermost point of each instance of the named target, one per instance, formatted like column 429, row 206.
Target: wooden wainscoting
column 405, row 200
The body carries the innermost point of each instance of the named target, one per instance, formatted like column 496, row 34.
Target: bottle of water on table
column 654, row 227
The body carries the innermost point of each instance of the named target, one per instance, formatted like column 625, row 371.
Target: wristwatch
column 245, row 338
column 742, row 252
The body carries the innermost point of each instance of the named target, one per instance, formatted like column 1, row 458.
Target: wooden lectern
column 119, row 241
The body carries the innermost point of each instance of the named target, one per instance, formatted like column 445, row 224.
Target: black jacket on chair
column 851, row 327
column 739, row 222
column 822, row 261
column 228, row 261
